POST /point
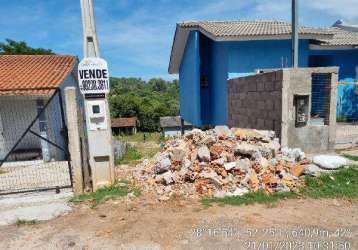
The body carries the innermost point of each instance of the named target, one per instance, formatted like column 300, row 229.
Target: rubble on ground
column 222, row 162
column 330, row 162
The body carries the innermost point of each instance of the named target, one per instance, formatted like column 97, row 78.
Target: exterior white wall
column 171, row 132
column 53, row 113
column 174, row 131
column 17, row 112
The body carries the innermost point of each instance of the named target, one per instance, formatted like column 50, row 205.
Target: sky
column 136, row 36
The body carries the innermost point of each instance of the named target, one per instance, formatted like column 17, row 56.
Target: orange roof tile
column 124, row 122
column 34, row 71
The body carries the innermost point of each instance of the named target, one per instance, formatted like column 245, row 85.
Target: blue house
column 206, row 54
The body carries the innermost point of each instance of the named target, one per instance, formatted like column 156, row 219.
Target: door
column 2, row 140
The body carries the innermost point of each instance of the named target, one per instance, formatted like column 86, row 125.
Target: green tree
column 11, row 47
column 158, row 84
column 146, row 100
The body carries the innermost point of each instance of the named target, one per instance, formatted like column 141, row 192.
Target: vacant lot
column 142, row 145
column 142, row 223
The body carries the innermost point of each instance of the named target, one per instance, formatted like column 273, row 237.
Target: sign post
column 93, row 77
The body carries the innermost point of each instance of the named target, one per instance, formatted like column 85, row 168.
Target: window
column 96, row 109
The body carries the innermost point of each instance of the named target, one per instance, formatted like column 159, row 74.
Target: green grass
column 340, row 184
column 142, row 137
column 343, row 183
column 21, row 222
column 247, row 199
column 140, row 148
column 132, row 155
column 119, row 189
column 351, row 157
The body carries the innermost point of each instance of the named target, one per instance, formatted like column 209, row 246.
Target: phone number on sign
column 297, row 245
column 88, row 85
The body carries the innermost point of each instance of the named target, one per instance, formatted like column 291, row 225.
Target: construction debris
column 222, row 162
column 330, row 161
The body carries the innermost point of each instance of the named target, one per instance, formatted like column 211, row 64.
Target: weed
column 351, row 157
column 142, row 137
column 119, row 189
column 2, row 171
column 250, row 198
column 21, row 222
column 130, row 156
column 343, row 183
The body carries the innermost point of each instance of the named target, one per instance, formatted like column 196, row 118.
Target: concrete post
column 333, row 111
column 74, row 139
column 101, row 157
column 285, row 104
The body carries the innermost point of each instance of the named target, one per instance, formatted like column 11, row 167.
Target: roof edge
column 181, row 35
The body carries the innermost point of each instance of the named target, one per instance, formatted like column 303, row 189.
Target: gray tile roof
column 256, row 30
column 341, row 38
column 250, row 28
column 171, row 121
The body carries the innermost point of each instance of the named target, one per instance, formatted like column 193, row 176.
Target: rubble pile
column 222, row 162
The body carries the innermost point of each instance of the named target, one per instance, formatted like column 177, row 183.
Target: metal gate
column 34, row 152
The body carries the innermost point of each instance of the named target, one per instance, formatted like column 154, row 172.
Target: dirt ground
column 178, row 224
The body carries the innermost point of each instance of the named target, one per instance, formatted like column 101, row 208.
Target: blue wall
column 347, row 102
column 247, row 56
column 219, row 84
column 244, row 57
column 215, row 60
column 189, row 76
column 346, row 60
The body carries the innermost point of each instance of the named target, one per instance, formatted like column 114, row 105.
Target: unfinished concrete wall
column 255, row 101
column 312, row 137
column 266, row 101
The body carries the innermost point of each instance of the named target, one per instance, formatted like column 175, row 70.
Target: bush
column 131, row 155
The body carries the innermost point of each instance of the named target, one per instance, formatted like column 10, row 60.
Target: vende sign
column 93, row 76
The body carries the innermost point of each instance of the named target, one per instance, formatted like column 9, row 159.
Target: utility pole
column 94, row 85
column 295, row 33
column 90, row 42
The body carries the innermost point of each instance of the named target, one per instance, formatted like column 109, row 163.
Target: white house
column 172, row 127
column 27, row 82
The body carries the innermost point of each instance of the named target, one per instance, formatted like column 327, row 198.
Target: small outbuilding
column 124, row 125
column 172, row 126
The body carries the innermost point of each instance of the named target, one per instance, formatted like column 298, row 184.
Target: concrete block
column 242, row 96
column 278, row 85
column 278, row 105
column 261, row 105
column 269, row 124
column 260, row 123
column 252, row 86
column 261, row 86
column 269, row 104
column 269, row 86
